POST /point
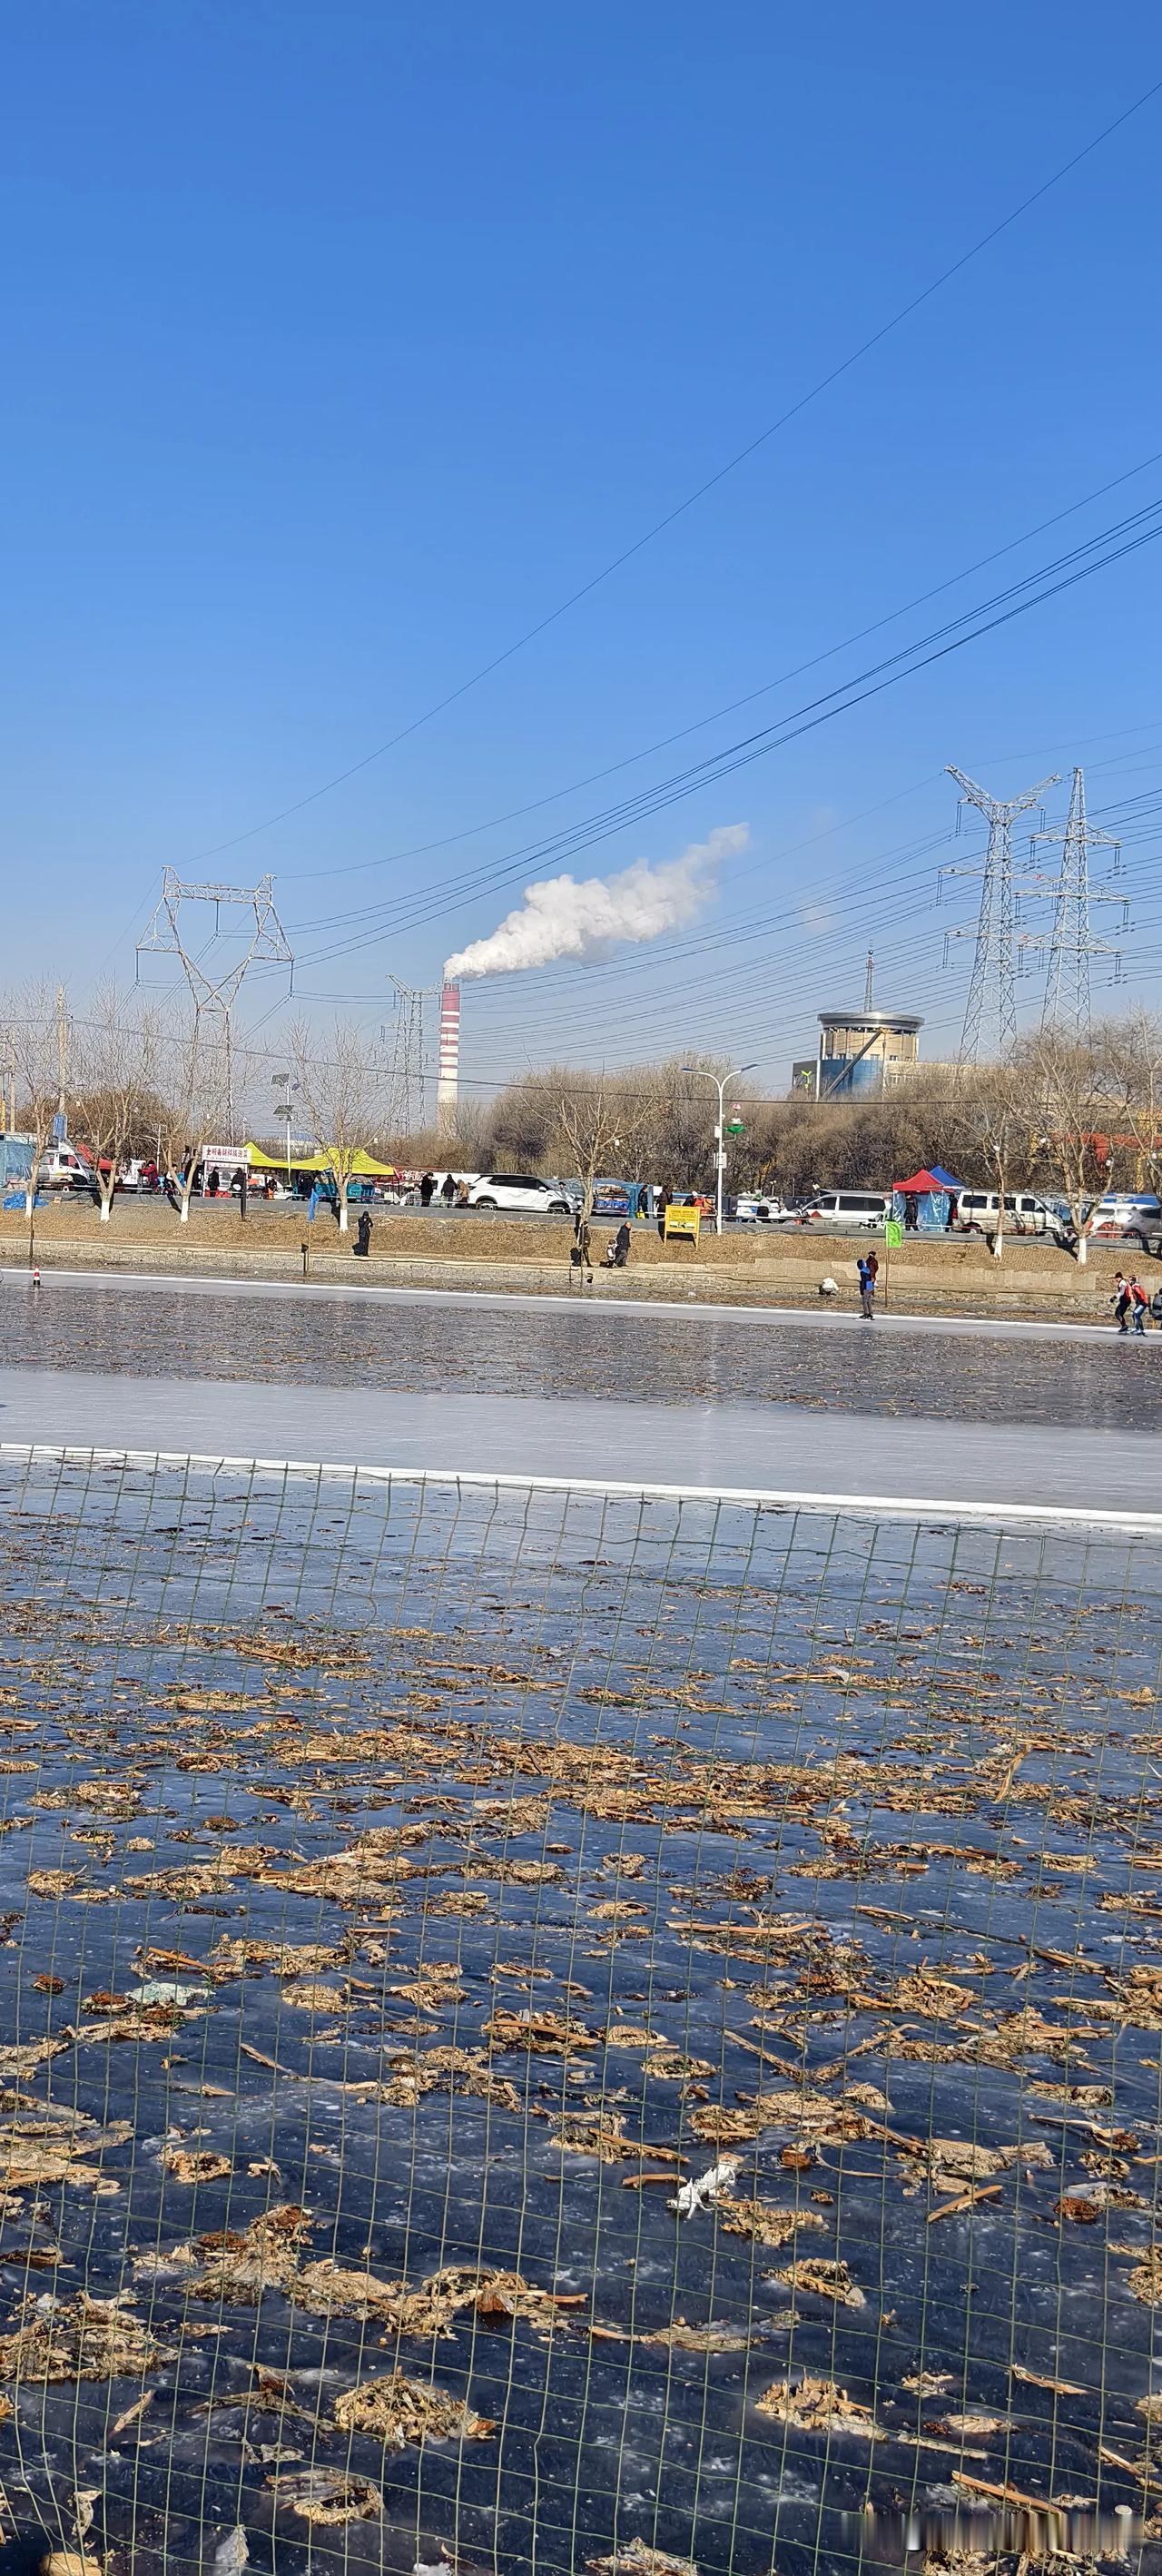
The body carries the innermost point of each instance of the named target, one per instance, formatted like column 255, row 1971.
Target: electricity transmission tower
column 990, row 1015
column 406, row 1094
column 1071, row 943
column 214, row 996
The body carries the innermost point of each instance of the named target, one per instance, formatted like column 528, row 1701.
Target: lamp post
column 719, row 1148
column 282, row 1110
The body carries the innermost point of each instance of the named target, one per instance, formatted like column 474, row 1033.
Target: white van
column 61, row 1169
column 978, row 1212
column 849, row 1211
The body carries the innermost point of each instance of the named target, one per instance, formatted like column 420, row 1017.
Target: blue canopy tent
column 922, row 1203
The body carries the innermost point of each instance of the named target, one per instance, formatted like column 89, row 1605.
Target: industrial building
column 860, row 1054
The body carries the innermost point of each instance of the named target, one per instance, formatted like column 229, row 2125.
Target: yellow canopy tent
column 361, row 1169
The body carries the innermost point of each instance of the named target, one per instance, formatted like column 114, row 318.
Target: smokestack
column 448, row 1078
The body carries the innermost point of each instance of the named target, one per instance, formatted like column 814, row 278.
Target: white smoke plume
column 567, row 917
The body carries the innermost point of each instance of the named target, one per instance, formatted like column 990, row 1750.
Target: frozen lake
column 407, row 1893
column 465, row 1346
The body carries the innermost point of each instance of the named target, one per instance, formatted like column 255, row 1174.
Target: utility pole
column 60, row 1126
column 719, row 1146
column 1070, row 942
column 869, row 982
column 991, row 981
column 214, row 997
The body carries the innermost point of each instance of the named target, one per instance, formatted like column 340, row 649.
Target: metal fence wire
column 553, row 2034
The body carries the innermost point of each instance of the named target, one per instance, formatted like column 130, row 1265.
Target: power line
column 479, row 879
column 1122, row 538
column 682, row 733
column 860, row 890
column 688, row 945
column 710, row 483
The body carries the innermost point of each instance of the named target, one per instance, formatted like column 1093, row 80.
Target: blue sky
column 343, row 344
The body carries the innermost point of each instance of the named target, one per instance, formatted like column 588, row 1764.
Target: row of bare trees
column 1067, row 1120
column 1070, row 1121
column 136, row 1081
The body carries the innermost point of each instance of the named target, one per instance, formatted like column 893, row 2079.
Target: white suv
column 849, row 1211
column 518, row 1193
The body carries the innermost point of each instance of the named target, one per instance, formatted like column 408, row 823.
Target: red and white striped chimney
column 448, row 1078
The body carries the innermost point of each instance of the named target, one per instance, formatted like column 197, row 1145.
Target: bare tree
column 35, row 1022
column 524, row 1115
column 114, row 1064
column 1129, row 1056
column 991, row 1126
column 596, row 1124
column 193, row 1093
column 340, row 1083
column 1074, row 1117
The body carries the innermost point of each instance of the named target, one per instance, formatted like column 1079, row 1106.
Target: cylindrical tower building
column 860, row 1052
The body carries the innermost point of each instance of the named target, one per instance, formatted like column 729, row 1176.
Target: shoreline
column 1018, row 1302
column 510, row 1257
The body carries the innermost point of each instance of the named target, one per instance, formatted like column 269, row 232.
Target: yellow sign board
column 681, row 1224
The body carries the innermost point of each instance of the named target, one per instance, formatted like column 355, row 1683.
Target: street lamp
column 282, row 1110
column 719, row 1148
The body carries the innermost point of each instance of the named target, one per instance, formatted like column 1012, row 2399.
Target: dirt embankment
column 466, row 1251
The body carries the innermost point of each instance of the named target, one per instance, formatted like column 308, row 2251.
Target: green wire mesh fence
column 552, row 2034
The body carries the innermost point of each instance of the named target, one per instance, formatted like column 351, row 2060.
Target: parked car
column 978, row 1212
column 848, row 1211
column 750, row 1210
column 520, row 1194
column 1122, row 1218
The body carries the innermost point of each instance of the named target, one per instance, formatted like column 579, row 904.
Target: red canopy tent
column 926, row 1201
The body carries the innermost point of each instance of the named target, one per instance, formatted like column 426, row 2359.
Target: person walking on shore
column 867, row 1290
column 1140, row 1303
column 1121, row 1302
